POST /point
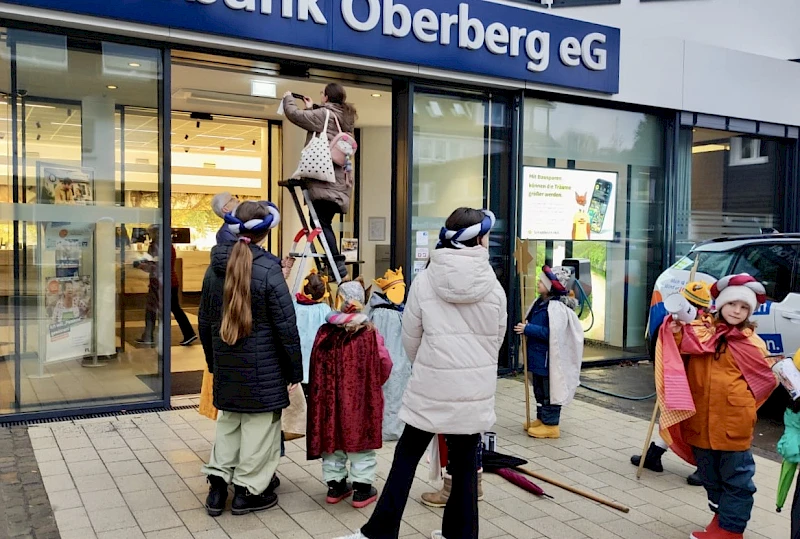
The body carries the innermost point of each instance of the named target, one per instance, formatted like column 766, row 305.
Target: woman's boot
column 439, row 498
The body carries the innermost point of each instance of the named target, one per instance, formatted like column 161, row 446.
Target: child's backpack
column 343, row 148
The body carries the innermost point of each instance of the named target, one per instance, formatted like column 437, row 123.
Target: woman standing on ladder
column 328, row 198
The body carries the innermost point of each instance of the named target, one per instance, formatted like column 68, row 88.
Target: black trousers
column 180, row 317
column 461, row 512
column 326, row 211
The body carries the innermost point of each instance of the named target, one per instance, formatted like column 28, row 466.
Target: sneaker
column 244, row 502
column 144, row 341
column 357, row 535
column 217, row 495
column 190, row 340
column 652, row 459
column 364, row 495
column 437, row 534
column 338, row 491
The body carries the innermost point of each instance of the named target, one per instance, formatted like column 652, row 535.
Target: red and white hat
column 741, row 287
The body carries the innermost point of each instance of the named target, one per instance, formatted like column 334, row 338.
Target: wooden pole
column 523, row 343
column 574, row 490
column 523, row 259
column 647, row 440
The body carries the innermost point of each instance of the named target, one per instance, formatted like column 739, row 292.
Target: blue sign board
column 480, row 37
column 764, row 309
column 773, row 341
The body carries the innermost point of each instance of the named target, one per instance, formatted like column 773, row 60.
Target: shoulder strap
column 327, row 119
column 336, row 119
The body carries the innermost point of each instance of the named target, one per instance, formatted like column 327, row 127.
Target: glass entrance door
column 461, row 156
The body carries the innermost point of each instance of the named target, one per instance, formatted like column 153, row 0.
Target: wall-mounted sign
column 481, row 37
column 566, row 204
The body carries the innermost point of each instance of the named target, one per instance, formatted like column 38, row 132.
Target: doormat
column 181, row 383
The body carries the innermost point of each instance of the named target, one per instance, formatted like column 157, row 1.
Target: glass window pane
column 626, row 144
column 448, row 163
column 76, row 116
column 732, row 185
column 770, row 264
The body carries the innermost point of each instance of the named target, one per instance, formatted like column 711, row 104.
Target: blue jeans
column 728, row 479
column 549, row 414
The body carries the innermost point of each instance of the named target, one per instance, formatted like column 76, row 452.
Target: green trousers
column 247, row 449
column 362, row 466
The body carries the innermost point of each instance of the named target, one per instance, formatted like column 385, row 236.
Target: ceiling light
column 111, row 87
column 376, row 95
column 262, row 88
column 434, row 109
column 135, row 64
column 706, row 148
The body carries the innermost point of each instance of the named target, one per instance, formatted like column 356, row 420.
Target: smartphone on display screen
column 599, row 204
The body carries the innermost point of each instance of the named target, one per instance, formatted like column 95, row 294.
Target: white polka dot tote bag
column 316, row 162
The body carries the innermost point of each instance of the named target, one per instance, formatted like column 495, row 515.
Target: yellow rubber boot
column 534, row 423
column 545, row 431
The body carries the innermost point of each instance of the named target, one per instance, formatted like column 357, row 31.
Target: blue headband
column 237, row 226
column 455, row 237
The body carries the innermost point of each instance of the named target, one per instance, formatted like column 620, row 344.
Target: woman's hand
column 309, row 102
column 287, row 94
column 292, row 387
column 519, row 329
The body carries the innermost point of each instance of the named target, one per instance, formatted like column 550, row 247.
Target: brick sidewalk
column 138, row 476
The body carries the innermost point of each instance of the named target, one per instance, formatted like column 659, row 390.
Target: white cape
column 566, row 351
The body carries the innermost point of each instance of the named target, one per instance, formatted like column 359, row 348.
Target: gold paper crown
column 324, row 281
column 390, row 278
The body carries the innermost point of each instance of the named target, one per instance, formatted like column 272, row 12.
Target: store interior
column 246, row 149
column 226, row 135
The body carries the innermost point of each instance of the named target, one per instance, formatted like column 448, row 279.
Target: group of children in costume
column 711, row 376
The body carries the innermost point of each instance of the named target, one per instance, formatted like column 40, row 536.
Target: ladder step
column 310, row 255
column 292, row 183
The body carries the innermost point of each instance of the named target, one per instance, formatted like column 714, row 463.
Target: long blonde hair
column 237, row 313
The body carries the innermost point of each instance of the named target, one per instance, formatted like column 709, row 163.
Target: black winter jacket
column 252, row 375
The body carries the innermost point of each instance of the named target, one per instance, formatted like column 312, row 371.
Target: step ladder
column 310, row 235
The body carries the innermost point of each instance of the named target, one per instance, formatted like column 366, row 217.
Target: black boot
column 274, row 483
column 244, row 502
column 339, row 260
column 338, row 491
column 652, row 460
column 364, row 495
column 695, row 479
column 217, row 495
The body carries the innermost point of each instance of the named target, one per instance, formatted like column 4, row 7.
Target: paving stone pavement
column 24, row 507
column 138, row 476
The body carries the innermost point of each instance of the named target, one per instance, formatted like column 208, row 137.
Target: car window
column 771, row 264
column 715, row 264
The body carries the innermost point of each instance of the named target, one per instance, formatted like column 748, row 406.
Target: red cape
column 345, row 401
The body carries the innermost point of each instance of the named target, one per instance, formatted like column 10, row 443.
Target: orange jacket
column 726, row 408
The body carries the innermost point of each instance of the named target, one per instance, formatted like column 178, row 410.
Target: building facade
column 609, row 133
